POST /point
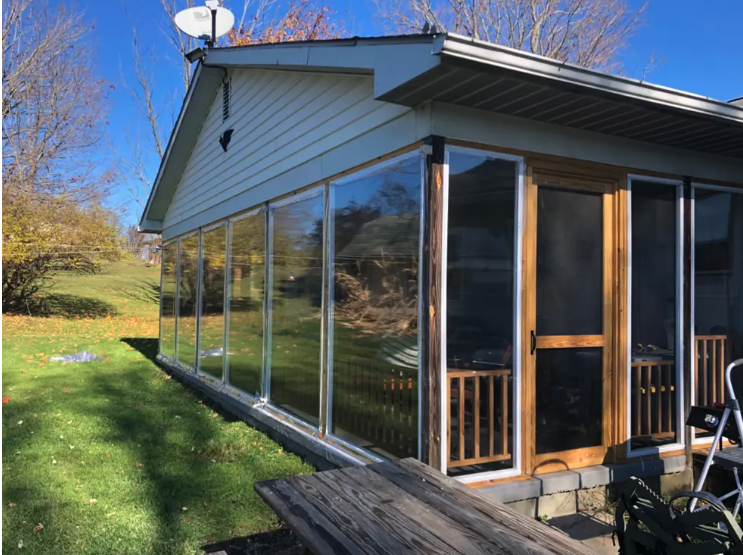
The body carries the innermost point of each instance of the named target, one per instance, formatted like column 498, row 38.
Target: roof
column 414, row 69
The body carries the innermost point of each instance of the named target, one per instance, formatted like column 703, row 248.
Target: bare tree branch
column 588, row 33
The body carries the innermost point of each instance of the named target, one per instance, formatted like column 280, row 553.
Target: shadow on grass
column 148, row 346
column 276, row 542
column 144, row 291
column 67, row 306
column 193, row 481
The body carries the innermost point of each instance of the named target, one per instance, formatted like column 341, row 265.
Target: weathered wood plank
column 459, row 519
column 315, row 531
column 351, row 513
column 404, row 507
column 458, row 495
column 419, row 529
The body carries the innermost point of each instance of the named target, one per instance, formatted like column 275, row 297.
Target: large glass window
column 211, row 328
column 246, row 293
column 654, row 359
column 376, row 238
column 168, row 300
column 718, row 281
column 296, row 306
column 187, row 300
column 480, row 293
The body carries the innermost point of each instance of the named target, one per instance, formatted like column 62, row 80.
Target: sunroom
column 438, row 248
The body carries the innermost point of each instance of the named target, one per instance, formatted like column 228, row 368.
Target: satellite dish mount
column 206, row 23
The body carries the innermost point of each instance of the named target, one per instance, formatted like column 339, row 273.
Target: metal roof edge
column 457, row 46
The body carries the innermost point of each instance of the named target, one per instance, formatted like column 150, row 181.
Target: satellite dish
column 205, row 23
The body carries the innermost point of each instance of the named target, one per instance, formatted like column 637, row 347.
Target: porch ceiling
column 563, row 102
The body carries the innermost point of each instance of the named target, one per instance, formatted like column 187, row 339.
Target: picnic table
column 404, row 507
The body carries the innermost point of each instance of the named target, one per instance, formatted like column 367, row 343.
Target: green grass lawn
column 113, row 456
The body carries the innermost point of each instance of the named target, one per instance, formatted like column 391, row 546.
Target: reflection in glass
column 480, row 304
column 211, row 328
column 168, row 300
column 296, row 307
column 246, row 281
column 570, row 262
column 187, row 293
column 375, row 311
column 654, row 303
column 569, row 398
column 718, row 282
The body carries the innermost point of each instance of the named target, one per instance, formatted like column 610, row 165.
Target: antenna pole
column 214, row 28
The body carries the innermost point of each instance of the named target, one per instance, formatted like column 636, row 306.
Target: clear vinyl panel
column 480, row 297
column 718, row 295
column 296, row 307
column 376, row 239
column 211, row 326
column 246, row 296
column 188, row 300
column 168, row 300
column 653, row 333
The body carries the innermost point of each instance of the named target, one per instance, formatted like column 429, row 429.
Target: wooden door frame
column 608, row 183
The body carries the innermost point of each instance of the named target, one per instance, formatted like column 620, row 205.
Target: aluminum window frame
column 200, row 297
column 175, row 298
column 517, row 313
column 228, row 299
column 702, row 441
column 197, row 232
column 308, row 194
column 679, row 314
column 366, row 173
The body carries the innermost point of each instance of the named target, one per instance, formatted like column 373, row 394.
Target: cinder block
column 558, row 482
column 671, row 484
column 558, row 504
column 513, row 491
column 595, row 476
column 525, row 507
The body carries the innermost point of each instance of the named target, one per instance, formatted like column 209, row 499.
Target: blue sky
column 697, row 45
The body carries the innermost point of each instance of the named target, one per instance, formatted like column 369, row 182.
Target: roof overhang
column 412, row 70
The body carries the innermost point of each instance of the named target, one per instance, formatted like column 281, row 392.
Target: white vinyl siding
column 280, row 121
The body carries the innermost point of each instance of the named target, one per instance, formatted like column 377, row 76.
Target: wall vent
column 226, row 86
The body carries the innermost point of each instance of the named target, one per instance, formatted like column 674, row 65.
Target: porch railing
column 478, row 416
column 653, row 398
column 710, row 355
column 378, row 404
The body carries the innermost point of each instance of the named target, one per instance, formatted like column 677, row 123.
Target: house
column 436, row 247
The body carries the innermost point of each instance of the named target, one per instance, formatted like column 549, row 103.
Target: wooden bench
column 404, row 507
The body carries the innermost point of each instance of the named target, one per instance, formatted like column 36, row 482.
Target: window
column 246, row 294
column 296, row 262
column 718, row 284
column 376, row 239
column 187, row 300
column 480, row 297
column 655, row 326
column 211, row 327
column 168, row 300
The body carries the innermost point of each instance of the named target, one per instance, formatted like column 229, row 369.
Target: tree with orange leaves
column 303, row 20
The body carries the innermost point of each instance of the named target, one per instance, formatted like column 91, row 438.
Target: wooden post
column 433, row 267
column 686, row 338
